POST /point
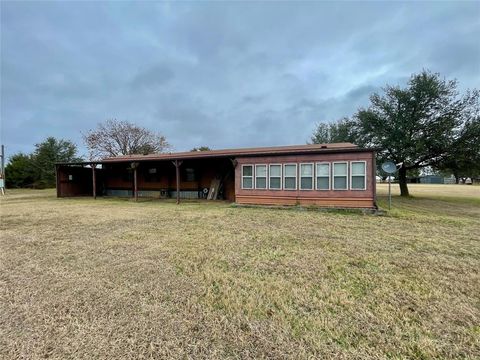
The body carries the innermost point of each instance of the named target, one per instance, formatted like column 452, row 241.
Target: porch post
column 177, row 176
column 135, row 184
column 57, row 179
column 94, row 179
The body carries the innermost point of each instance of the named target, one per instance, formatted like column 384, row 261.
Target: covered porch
column 210, row 178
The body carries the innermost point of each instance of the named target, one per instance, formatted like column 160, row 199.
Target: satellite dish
column 389, row 167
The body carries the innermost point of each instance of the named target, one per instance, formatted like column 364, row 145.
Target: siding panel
column 325, row 198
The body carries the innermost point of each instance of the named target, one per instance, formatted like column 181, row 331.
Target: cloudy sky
column 218, row 74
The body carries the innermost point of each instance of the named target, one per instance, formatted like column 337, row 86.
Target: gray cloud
column 152, row 77
column 218, row 74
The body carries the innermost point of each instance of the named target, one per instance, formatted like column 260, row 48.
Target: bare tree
column 114, row 138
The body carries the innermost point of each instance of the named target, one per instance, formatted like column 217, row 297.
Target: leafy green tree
column 46, row 154
column 38, row 169
column 19, row 172
column 343, row 130
column 416, row 126
column 463, row 159
column 201, row 148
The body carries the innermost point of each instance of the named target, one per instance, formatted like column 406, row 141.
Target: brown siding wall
column 324, row 198
column 81, row 183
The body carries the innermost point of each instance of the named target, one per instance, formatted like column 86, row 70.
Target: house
column 327, row 175
column 432, row 179
column 427, row 179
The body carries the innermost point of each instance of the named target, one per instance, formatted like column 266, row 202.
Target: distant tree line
column 37, row 169
column 425, row 124
column 110, row 138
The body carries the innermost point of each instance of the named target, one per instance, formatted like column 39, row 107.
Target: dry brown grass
column 116, row 279
column 435, row 191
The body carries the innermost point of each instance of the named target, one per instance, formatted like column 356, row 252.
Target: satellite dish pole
column 390, row 168
column 2, row 170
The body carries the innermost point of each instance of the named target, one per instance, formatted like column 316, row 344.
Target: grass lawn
column 115, row 279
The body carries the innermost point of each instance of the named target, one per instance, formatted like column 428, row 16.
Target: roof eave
column 200, row 156
column 210, row 156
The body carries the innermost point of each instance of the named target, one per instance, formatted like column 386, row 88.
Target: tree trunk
column 402, row 181
column 457, row 178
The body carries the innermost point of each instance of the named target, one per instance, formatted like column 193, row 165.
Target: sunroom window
column 306, row 176
column 290, row 176
column 247, row 176
column 275, row 176
column 358, row 174
column 323, row 176
column 340, row 181
column 260, row 176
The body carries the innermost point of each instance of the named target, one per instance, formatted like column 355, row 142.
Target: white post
column 2, row 170
column 389, row 193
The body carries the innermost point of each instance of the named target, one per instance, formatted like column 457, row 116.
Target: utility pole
column 2, row 170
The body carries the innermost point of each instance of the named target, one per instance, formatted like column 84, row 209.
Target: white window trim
column 329, row 175
column 346, row 175
column 281, row 177
column 312, row 177
column 364, row 175
column 246, row 176
column 266, row 177
column 296, row 176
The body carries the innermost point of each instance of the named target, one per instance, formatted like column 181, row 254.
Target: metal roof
column 242, row 152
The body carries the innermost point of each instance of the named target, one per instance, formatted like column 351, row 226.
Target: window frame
column 266, row 177
column 252, row 176
column 296, row 176
column 346, row 175
column 300, row 176
column 281, row 177
column 364, row 175
column 329, row 175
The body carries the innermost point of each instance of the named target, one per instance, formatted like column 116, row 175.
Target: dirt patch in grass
column 116, row 279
